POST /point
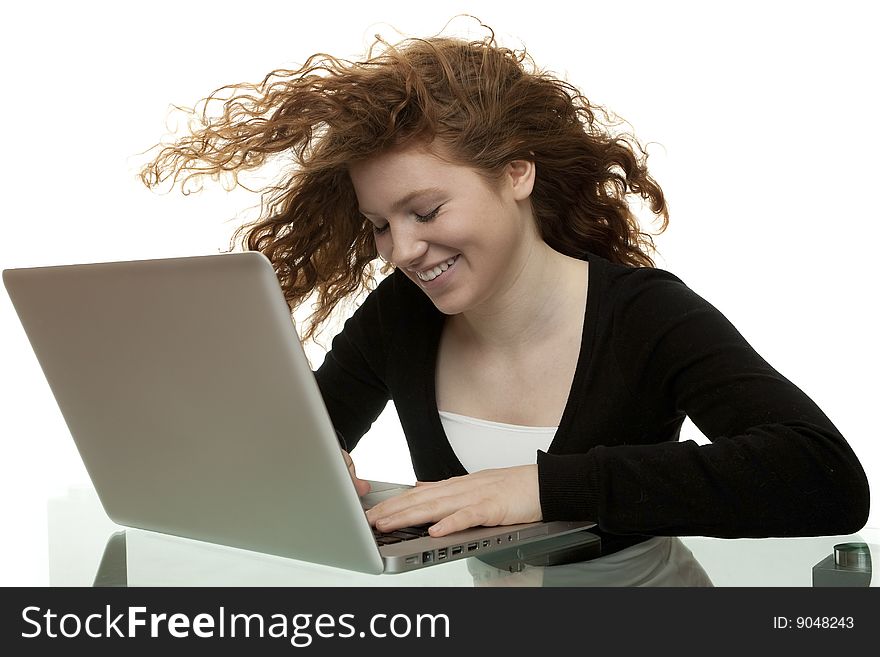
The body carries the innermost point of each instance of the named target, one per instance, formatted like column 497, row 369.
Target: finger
column 362, row 486
column 409, row 499
column 464, row 490
column 426, row 512
column 469, row 516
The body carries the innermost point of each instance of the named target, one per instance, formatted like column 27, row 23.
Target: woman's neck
column 527, row 312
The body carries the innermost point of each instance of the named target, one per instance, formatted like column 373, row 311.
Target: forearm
column 775, row 480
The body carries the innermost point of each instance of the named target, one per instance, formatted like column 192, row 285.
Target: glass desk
column 87, row 549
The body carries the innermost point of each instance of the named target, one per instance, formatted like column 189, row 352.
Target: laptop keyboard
column 400, row 535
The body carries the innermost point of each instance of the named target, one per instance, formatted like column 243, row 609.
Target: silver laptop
column 195, row 412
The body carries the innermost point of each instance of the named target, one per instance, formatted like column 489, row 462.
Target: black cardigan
column 652, row 353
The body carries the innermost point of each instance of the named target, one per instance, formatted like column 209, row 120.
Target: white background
column 764, row 137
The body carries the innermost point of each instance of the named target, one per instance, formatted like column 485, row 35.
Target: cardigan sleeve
column 776, row 465
column 352, row 378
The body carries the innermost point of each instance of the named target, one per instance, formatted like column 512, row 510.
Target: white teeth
column 431, row 274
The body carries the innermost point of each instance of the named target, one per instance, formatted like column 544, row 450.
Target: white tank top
column 483, row 444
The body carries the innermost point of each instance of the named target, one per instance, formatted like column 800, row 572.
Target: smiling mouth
column 430, row 274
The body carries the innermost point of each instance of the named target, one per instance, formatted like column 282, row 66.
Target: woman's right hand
column 362, row 486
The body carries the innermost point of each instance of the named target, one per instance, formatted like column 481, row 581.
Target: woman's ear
column 521, row 174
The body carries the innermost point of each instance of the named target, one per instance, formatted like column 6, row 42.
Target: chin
column 446, row 308
column 449, row 312
column 447, row 305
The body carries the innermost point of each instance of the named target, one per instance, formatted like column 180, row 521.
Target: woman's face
column 459, row 239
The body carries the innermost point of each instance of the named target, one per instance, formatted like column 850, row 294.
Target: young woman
column 541, row 366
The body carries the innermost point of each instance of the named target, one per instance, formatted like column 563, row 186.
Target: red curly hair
column 485, row 104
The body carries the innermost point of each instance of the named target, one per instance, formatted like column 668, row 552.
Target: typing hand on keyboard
column 501, row 496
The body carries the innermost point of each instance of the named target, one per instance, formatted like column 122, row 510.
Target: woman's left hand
column 503, row 496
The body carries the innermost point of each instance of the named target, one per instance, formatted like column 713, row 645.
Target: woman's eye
column 421, row 218
column 427, row 217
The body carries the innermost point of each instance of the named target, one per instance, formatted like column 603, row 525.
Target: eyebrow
column 408, row 198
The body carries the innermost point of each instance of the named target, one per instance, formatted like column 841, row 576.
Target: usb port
column 472, row 547
column 441, row 554
column 456, row 550
column 486, row 542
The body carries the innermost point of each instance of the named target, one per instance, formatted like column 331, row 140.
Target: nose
column 407, row 247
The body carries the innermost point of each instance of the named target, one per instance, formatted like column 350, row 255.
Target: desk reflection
column 660, row 561
column 137, row 558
